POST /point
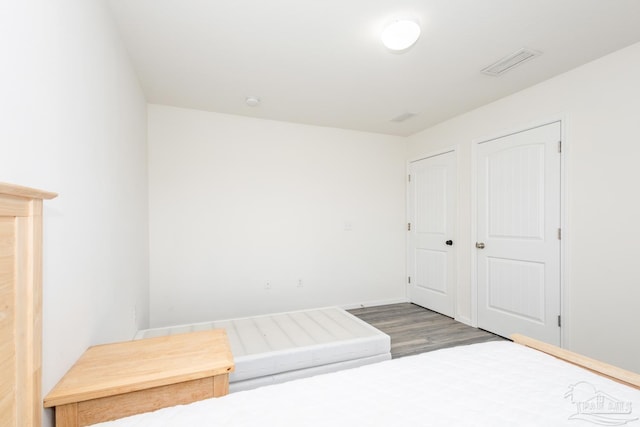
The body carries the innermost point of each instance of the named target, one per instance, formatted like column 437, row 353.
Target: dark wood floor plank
column 414, row 329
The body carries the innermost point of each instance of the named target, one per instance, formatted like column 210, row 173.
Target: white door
column 431, row 207
column 518, row 232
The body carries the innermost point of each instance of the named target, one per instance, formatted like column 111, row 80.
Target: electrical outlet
column 267, row 286
column 300, row 284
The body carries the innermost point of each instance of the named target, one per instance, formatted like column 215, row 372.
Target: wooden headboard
column 21, row 305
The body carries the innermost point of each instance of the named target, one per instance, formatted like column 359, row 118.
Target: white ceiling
column 321, row 62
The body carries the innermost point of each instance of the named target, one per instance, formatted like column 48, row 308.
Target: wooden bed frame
column 614, row 373
column 21, row 318
column 21, row 305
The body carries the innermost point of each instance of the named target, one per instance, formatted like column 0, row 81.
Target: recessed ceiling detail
column 511, row 61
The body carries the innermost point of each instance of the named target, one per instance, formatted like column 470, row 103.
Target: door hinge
column 559, row 321
column 559, row 146
column 408, row 226
column 409, row 279
column 559, row 233
column 409, row 177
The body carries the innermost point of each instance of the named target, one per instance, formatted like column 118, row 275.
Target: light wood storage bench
column 112, row 381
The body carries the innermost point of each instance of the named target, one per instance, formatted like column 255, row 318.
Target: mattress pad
column 282, row 346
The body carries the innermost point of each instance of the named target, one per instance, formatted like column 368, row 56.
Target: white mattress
column 278, row 347
column 490, row 384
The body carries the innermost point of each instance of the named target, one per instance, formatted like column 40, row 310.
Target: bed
column 489, row 384
column 279, row 347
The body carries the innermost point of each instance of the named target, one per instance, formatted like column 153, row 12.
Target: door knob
column 479, row 245
column 449, row 242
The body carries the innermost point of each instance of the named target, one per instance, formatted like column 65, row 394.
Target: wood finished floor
column 414, row 329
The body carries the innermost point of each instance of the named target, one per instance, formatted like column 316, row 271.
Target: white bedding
column 490, row 384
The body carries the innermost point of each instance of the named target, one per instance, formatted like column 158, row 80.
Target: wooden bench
column 112, row 381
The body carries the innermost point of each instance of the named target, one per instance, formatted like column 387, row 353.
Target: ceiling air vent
column 510, row 61
column 402, row 117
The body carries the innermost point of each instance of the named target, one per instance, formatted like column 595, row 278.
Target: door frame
column 564, row 224
column 456, row 218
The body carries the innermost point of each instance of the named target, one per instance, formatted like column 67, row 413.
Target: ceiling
column 321, row 62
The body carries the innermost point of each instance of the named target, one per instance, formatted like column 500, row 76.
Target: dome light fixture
column 400, row 34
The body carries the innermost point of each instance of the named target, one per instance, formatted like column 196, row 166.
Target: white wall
column 238, row 202
column 601, row 104
column 73, row 121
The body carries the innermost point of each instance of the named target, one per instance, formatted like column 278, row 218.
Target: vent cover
column 404, row 116
column 510, row 61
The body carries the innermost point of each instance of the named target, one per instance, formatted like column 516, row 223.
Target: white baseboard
column 373, row 303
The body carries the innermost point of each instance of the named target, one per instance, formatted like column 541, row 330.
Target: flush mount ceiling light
column 400, row 34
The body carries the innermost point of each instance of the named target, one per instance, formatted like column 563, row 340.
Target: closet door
column 518, row 241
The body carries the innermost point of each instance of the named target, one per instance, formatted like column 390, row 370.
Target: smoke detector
column 252, row 101
column 510, row 61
